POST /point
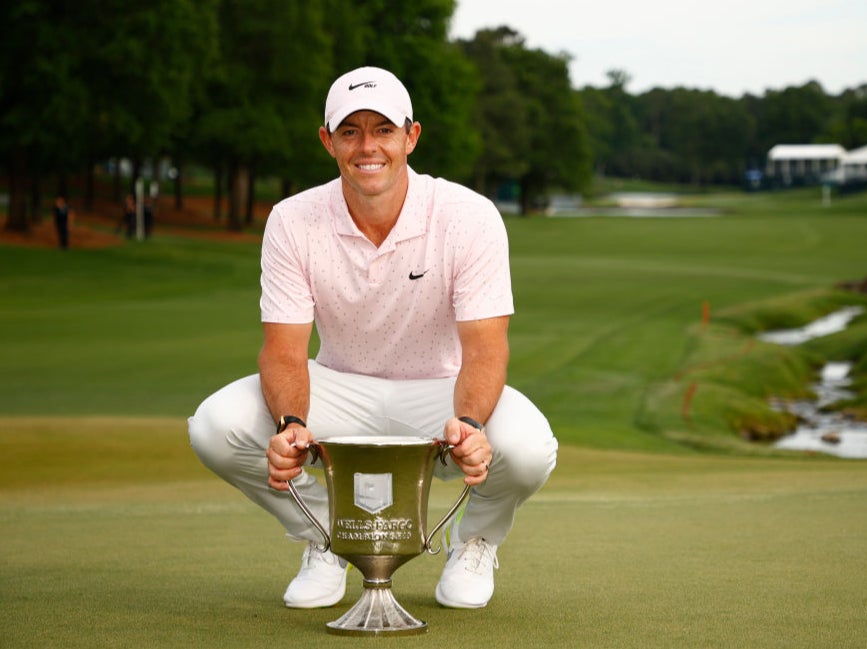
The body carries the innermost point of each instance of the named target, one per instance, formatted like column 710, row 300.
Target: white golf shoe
column 468, row 577
column 321, row 581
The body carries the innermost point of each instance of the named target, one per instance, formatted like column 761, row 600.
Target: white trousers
column 231, row 430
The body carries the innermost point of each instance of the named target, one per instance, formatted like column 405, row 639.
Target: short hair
column 407, row 126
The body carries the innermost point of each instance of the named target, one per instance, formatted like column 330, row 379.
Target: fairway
column 619, row 550
column 115, row 536
column 603, row 309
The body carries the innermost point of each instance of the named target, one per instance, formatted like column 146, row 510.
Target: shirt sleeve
column 286, row 293
column 483, row 285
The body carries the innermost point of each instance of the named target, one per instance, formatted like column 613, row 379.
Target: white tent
column 855, row 165
column 806, row 152
column 803, row 162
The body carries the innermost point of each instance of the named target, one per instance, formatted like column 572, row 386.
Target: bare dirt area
column 100, row 227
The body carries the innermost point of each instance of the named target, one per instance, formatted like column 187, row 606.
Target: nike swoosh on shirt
column 412, row 275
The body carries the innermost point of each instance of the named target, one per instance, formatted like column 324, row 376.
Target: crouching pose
column 406, row 278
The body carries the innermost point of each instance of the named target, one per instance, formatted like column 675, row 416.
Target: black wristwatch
column 472, row 422
column 285, row 420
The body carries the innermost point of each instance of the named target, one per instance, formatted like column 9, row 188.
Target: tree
column 43, row 100
column 624, row 127
column 696, row 135
column 540, row 121
column 849, row 125
column 795, row 115
column 558, row 155
column 265, row 96
column 411, row 40
column 263, row 92
column 613, row 129
column 500, row 112
column 94, row 78
column 533, row 122
column 598, row 112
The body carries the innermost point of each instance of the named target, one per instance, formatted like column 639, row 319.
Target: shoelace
column 478, row 555
column 313, row 556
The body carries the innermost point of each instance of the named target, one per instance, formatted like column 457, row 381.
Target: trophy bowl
column 378, row 489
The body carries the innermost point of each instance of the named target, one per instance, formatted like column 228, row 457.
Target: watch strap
column 285, row 420
column 472, row 422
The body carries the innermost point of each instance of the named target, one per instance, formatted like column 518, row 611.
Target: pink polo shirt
column 389, row 311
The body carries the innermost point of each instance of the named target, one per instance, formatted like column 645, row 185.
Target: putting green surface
column 115, row 536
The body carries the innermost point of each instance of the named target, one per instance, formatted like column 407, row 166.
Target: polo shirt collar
column 411, row 223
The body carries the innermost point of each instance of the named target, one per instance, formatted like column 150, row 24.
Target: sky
column 732, row 47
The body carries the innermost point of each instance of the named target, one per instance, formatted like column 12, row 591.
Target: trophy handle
column 460, row 501
column 314, row 448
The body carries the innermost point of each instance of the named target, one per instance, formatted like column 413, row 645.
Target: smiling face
column 371, row 154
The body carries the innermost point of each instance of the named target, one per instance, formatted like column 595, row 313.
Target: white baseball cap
column 367, row 89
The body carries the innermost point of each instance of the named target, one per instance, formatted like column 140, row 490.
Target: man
column 407, row 280
column 63, row 219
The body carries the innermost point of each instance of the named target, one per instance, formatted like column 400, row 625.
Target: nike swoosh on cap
column 353, row 86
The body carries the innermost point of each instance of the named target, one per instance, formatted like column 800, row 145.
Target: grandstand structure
column 813, row 164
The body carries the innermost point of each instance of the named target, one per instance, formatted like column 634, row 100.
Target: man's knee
column 523, row 441
column 529, row 465
column 207, row 439
column 227, row 423
column 210, row 429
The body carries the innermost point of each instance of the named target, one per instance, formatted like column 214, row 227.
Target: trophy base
column 377, row 613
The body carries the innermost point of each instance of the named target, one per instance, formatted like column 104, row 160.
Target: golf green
column 133, row 544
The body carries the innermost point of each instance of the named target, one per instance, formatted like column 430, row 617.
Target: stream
column 825, row 432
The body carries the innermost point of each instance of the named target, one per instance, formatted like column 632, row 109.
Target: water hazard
column 825, row 432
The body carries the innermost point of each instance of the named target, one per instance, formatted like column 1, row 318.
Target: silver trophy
column 378, row 490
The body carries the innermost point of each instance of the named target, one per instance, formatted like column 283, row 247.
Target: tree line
column 699, row 137
column 238, row 86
